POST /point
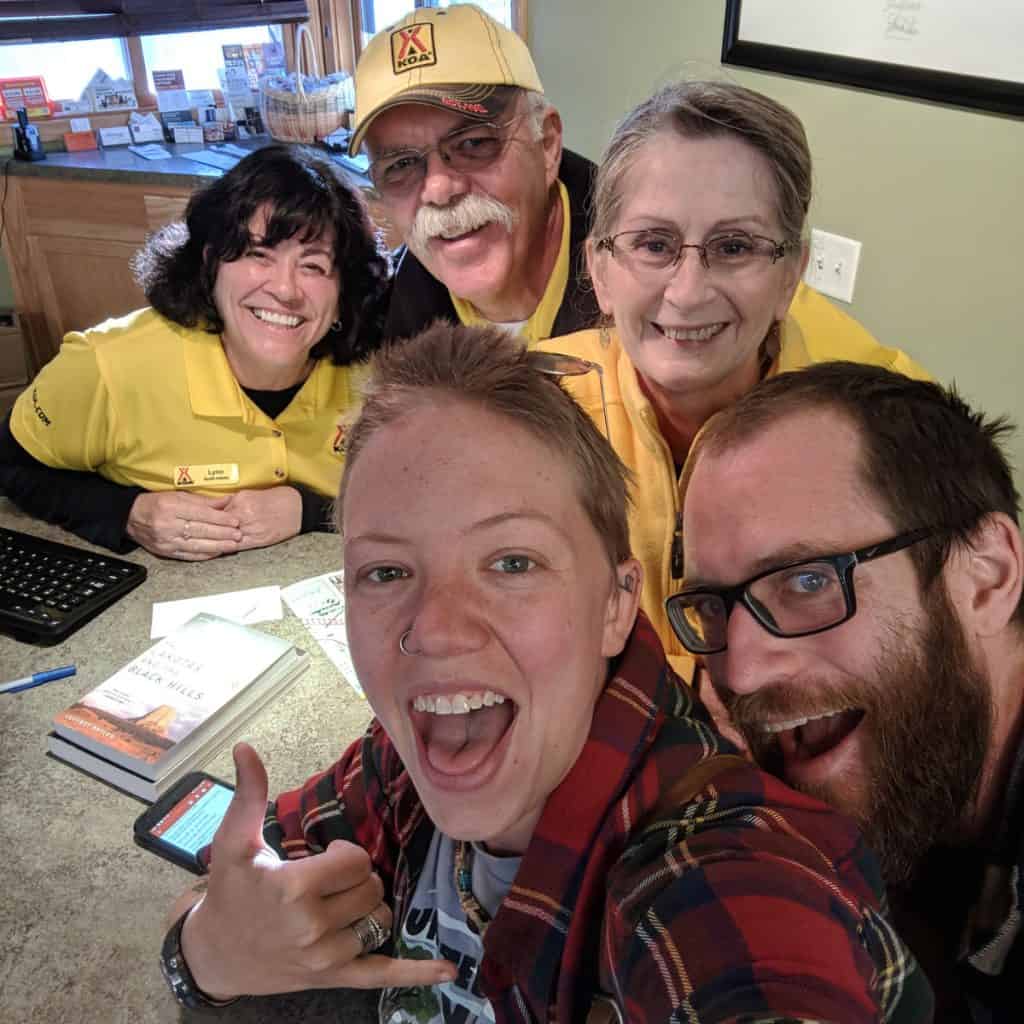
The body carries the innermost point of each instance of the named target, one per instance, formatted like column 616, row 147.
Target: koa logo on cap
column 413, row 47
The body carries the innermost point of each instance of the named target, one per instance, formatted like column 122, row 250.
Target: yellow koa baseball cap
column 457, row 58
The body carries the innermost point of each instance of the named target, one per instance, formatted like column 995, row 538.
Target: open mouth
column 694, row 335
column 462, row 734
column 802, row 740
column 276, row 319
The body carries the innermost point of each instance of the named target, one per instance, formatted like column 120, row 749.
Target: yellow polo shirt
column 542, row 320
column 814, row 331
column 144, row 401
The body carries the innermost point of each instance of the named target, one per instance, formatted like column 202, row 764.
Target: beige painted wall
column 936, row 194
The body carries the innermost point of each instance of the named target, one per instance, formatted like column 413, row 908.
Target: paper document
column 320, row 603
column 150, row 152
column 172, row 99
column 229, row 147
column 224, row 161
column 260, row 604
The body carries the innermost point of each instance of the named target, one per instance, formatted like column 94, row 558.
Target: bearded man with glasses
column 853, row 579
column 467, row 160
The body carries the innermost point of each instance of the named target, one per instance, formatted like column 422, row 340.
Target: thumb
column 220, row 502
column 240, row 836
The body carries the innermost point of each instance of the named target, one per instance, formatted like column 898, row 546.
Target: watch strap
column 178, row 976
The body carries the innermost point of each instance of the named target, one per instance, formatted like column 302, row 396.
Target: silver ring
column 401, row 644
column 184, row 533
column 370, row 933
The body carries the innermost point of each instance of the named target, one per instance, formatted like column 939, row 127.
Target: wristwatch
column 179, row 977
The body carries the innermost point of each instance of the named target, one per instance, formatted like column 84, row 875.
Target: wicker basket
column 293, row 114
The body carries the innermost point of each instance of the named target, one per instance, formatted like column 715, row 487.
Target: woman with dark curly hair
column 210, row 422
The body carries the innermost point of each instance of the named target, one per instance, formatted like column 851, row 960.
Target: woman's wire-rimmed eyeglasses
column 558, row 364
column 652, row 250
column 792, row 600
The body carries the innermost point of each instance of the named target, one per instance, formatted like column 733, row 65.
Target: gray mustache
column 468, row 214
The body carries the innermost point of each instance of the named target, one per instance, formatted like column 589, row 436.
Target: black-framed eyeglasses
column 798, row 599
column 653, row 250
column 465, row 150
column 558, row 364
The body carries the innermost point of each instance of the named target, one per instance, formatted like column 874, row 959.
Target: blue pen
column 37, row 679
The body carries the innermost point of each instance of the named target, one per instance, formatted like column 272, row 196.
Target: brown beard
column 928, row 717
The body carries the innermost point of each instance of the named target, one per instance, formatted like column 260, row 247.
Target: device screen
column 192, row 822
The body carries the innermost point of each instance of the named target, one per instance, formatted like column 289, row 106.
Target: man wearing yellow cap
column 466, row 153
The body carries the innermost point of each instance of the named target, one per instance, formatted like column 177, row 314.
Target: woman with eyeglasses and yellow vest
column 696, row 255
column 211, row 421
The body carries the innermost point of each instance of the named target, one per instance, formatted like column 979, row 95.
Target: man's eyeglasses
column 465, row 150
column 557, row 364
column 654, row 250
column 792, row 600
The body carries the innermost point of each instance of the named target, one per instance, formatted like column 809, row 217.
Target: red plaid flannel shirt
column 753, row 903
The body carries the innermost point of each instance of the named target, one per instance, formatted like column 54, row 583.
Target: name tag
column 214, row 474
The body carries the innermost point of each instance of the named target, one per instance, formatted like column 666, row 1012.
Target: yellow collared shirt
column 143, row 401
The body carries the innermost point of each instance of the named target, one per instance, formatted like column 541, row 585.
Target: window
column 378, row 14
column 199, row 54
column 67, row 43
column 66, row 67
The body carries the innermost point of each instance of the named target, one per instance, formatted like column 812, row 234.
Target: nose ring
column 401, row 644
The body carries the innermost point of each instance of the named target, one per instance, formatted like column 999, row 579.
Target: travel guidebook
column 170, row 710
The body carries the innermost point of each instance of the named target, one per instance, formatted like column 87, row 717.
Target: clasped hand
column 195, row 528
column 266, row 925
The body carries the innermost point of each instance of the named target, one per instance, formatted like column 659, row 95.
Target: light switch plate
column 832, row 267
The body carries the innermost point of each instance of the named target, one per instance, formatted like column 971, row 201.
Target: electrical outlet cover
column 832, row 266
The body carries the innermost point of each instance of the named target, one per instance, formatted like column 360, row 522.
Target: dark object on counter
column 48, row 589
column 27, row 145
column 254, row 120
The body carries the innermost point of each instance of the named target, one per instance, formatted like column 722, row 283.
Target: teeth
column 695, row 334
column 458, row 703
column 795, row 723
column 784, row 726
column 282, row 319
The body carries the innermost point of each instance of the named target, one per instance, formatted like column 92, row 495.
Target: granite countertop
column 118, row 164
column 83, row 907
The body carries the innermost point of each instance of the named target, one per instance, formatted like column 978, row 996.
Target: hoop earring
column 337, row 325
column 401, row 644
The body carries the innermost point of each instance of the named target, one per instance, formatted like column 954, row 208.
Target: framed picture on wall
column 962, row 52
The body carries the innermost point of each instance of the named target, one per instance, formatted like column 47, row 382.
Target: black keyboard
column 48, row 590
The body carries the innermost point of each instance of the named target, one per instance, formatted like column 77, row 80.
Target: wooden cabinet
column 69, row 245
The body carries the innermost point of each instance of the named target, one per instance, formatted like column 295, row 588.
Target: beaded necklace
column 478, row 918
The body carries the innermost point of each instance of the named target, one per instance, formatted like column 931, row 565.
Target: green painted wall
column 933, row 192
